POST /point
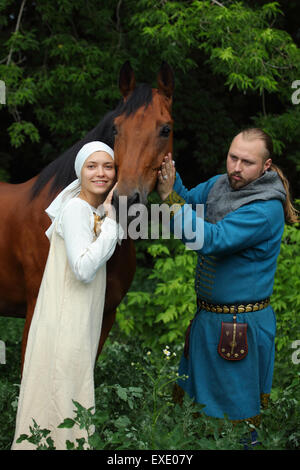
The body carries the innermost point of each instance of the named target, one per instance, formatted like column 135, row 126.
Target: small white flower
column 166, row 352
column 148, row 353
column 132, row 363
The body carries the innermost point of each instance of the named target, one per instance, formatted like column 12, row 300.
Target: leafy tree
column 242, row 45
column 234, row 63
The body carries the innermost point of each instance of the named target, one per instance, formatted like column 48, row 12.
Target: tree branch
column 264, row 103
column 16, row 29
column 218, row 3
column 119, row 29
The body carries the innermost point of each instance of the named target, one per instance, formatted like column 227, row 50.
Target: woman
column 66, row 326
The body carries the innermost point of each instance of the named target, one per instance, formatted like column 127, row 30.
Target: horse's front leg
column 107, row 323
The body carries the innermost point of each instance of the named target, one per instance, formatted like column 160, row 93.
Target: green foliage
column 285, row 406
column 8, row 404
column 144, row 416
column 234, row 64
column 19, row 130
column 60, row 74
column 170, row 304
column 38, row 437
column 4, row 176
column 286, row 296
column 134, row 405
column 240, row 43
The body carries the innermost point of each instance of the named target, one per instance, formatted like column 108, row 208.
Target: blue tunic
column 236, row 265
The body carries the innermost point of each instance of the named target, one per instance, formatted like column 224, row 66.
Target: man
column 229, row 351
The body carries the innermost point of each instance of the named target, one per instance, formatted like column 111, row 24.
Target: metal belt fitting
column 233, row 308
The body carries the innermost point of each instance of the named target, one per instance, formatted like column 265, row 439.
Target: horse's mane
column 62, row 168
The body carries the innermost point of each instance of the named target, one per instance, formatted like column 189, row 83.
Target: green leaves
column 135, row 409
column 170, row 304
column 18, row 132
column 286, row 297
column 67, row 423
column 38, row 437
column 241, row 43
column 23, row 41
column 271, row 10
column 153, row 420
column 53, row 69
column 234, row 65
column 241, row 81
column 129, row 394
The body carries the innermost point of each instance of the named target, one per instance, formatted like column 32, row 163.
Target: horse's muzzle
column 124, row 203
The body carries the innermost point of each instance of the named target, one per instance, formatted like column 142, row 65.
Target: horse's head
column 143, row 134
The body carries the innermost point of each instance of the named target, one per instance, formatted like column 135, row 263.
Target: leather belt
column 233, row 308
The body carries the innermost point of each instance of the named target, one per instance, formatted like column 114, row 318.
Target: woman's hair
column 290, row 212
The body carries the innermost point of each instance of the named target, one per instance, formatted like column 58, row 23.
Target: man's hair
column 252, row 133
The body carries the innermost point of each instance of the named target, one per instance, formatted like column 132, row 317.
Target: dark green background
column 61, row 69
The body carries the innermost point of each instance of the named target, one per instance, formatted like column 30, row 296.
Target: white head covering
column 55, row 208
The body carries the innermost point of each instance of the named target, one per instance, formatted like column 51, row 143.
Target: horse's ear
column 126, row 79
column 165, row 80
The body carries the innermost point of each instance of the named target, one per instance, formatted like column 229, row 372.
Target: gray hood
column 222, row 199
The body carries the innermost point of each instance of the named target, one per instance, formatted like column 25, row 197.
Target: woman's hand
column 107, row 205
column 166, row 177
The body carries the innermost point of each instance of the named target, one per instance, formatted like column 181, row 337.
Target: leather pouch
column 233, row 344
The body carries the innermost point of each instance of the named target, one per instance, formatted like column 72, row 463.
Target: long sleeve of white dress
column 85, row 253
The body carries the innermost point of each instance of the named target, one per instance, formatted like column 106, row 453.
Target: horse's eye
column 114, row 130
column 165, row 131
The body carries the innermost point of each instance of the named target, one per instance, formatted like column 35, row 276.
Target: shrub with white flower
column 166, row 352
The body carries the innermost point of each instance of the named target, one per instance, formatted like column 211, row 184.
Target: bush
column 135, row 410
column 165, row 301
column 286, row 296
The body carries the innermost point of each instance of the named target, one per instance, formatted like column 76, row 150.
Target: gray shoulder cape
column 222, row 199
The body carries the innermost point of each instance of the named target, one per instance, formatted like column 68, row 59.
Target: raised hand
column 108, row 208
column 166, row 177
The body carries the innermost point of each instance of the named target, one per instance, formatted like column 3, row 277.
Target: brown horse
column 140, row 130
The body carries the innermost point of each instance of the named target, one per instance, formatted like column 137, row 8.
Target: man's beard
column 236, row 184
column 241, row 182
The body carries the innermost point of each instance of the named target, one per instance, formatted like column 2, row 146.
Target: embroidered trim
column 98, row 221
column 204, row 294
column 264, row 400
column 255, row 420
column 211, row 263
column 205, row 286
column 208, row 268
column 205, row 277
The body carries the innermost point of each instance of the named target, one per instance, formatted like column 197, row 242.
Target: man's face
column 245, row 161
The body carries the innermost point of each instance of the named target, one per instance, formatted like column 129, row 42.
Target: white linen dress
column 65, row 330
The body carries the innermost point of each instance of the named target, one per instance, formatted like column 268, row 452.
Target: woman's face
column 97, row 176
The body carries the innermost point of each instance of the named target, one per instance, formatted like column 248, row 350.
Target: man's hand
column 166, row 177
